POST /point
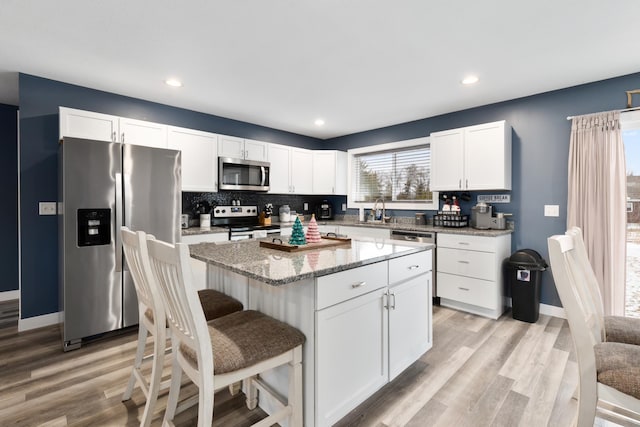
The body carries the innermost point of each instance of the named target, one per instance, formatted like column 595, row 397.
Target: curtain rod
column 622, row 111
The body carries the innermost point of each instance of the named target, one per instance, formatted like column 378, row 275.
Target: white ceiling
column 358, row 64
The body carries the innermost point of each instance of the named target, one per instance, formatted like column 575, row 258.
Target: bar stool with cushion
column 236, row 347
column 613, row 328
column 151, row 308
column 609, row 372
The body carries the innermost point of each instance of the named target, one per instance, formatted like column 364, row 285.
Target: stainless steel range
column 242, row 222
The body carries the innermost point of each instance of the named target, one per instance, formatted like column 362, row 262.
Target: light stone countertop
column 277, row 268
column 401, row 226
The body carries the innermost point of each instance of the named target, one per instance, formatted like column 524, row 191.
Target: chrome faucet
column 375, row 209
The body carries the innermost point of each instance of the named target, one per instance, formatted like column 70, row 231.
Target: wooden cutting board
column 326, row 242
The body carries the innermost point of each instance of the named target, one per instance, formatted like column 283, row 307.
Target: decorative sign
column 495, row 198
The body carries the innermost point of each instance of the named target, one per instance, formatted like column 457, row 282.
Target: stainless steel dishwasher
column 425, row 237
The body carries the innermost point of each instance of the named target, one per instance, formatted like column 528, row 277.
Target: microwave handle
column 264, row 175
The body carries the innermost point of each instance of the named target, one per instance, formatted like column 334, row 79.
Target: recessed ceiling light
column 469, row 80
column 173, row 82
column 319, row 122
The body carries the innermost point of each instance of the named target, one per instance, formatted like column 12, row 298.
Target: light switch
column 47, row 208
column 551, row 210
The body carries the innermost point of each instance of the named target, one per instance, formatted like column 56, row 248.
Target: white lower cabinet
column 199, row 268
column 376, row 233
column 365, row 338
column 470, row 272
column 351, row 356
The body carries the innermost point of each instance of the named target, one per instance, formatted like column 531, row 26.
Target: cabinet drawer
column 405, row 267
column 480, row 265
column 467, row 290
column 347, row 284
column 472, row 243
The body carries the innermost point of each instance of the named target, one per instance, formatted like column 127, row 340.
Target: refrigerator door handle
column 119, row 206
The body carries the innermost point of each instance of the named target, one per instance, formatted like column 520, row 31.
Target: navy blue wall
column 540, row 153
column 39, row 102
column 9, row 193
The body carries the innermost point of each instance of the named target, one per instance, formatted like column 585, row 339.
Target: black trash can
column 524, row 272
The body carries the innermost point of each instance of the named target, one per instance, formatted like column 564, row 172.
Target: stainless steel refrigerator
column 104, row 185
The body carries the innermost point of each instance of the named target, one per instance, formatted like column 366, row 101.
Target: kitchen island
column 364, row 307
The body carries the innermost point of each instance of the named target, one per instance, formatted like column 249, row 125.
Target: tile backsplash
column 191, row 200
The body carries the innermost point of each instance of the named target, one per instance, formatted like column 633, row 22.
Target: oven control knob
column 217, row 210
column 224, row 210
column 253, row 210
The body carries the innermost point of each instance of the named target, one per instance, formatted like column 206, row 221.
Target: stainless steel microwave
column 240, row 174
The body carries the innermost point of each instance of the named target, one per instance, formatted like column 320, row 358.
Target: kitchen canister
column 285, row 213
column 205, row 220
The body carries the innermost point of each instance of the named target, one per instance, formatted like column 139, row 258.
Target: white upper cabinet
column 88, row 125
column 140, row 132
column 329, row 172
column 279, row 173
column 291, row 169
column 301, row 171
column 199, row 158
column 472, row 158
column 104, row 127
column 238, row 148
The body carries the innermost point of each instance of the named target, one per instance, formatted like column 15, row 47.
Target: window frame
column 389, row 146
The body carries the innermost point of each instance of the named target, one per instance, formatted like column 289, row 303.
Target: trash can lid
column 527, row 259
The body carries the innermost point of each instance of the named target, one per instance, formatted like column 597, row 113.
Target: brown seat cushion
column 618, row 366
column 622, row 329
column 216, row 304
column 245, row 338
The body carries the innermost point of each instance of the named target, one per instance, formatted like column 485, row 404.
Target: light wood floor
column 479, row 372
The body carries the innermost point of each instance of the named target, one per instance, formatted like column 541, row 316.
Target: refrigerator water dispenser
column 94, row 227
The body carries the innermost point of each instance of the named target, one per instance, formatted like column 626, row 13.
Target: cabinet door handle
column 413, row 267
column 113, row 136
column 393, row 304
column 459, row 183
column 463, row 289
column 466, row 185
column 358, row 285
column 122, row 137
column 385, row 304
column 463, row 262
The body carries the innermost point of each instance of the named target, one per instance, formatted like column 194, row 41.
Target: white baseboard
column 552, row 310
column 546, row 309
column 9, row 295
column 40, row 321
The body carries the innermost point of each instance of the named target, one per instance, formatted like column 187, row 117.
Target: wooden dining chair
column 152, row 320
column 612, row 328
column 236, row 347
column 609, row 372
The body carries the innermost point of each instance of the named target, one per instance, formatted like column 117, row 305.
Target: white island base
column 364, row 326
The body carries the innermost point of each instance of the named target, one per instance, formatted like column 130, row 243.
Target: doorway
column 631, row 136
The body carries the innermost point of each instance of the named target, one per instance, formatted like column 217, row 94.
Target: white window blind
column 397, row 175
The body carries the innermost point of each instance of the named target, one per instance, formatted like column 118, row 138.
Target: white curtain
column 597, row 200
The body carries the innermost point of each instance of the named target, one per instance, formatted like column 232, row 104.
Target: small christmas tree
column 313, row 234
column 297, row 234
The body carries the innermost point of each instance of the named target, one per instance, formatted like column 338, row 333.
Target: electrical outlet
column 344, row 207
column 551, row 210
column 305, row 206
column 47, row 208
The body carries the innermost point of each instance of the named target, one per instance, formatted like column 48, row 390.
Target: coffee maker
column 324, row 210
column 481, row 215
column 482, row 218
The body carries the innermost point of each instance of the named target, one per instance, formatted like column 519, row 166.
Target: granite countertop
column 277, row 268
column 401, row 226
column 192, row 231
